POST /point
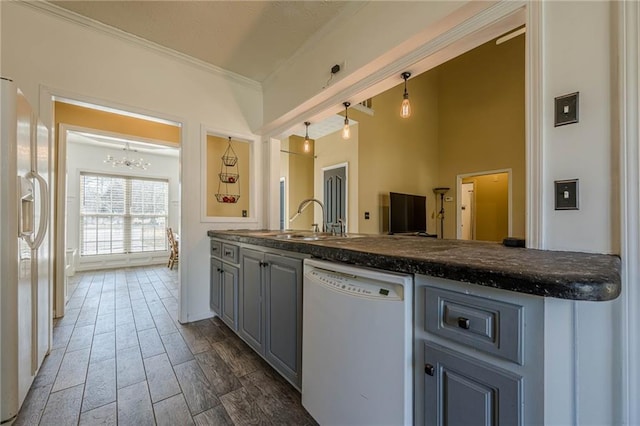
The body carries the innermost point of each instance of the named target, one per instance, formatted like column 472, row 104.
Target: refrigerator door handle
column 44, row 210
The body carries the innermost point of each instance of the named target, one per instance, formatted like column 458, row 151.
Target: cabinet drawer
column 230, row 253
column 485, row 324
column 216, row 249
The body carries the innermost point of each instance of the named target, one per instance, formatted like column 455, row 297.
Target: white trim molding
column 628, row 43
column 254, row 160
column 534, row 120
column 459, row 179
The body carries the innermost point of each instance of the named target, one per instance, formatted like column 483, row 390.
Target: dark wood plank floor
column 120, row 356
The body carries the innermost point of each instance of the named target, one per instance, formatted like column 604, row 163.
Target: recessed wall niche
column 220, row 187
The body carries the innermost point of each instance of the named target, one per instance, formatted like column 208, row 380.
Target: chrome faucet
column 303, row 205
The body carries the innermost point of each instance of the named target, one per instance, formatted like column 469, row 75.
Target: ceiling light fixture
column 125, row 161
column 346, row 131
column 405, row 109
column 307, row 144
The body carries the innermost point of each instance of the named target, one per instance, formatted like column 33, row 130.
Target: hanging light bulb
column 307, row 144
column 346, row 131
column 405, row 109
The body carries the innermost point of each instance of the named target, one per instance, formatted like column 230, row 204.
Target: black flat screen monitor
column 407, row 213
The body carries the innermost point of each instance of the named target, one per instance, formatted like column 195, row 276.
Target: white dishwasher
column 357, row 359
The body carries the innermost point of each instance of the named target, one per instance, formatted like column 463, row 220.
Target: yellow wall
column 490, row 206
column 300, row 185
column 396, row 154
column 331, row 150
column 216, row 147
column 481, row 123
column 116, row 123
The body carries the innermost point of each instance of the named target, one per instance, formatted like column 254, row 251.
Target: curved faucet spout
column 303, row 205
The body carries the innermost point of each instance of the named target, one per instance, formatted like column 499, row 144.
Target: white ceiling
column 250, row 38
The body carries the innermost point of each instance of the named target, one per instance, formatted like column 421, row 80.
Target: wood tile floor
column 120, row 356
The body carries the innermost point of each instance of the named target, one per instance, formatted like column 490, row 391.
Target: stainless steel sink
column 306, row 236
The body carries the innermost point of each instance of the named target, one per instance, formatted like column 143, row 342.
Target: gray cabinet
column 477, row 355
column 460, row 390
column 230, row 282
column 251, row 309
column 215, row 285
column 271, row 309
column 224, row 283
column 283, row 311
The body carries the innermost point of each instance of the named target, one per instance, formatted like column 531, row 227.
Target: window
column 122, row 214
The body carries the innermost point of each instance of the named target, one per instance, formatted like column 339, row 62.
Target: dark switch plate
column 566, row 110
column 244, row 213
column 366, row 215
column 566, row 194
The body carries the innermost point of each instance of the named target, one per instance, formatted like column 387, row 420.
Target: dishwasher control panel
column 354, row 285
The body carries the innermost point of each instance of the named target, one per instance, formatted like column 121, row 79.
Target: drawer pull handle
column 214, row 248
column 264, row 264
column 464, row 323
column 428, row 369
column 228, row 253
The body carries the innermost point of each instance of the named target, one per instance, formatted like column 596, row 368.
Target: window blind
column 122, row 214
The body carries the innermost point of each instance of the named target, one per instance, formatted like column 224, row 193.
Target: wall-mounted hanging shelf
column 228, row 176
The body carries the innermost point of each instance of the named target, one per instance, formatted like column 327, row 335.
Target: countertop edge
column 580, row 289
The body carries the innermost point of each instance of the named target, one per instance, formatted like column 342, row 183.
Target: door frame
column 48, row 96
column 346, row 188
column 472, row 217
column 459, row 179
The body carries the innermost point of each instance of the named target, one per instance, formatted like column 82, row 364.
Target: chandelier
column 125, row 161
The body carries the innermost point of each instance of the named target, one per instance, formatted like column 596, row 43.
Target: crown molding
column 69, row 16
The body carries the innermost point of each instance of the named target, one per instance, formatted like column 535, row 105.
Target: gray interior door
column 335, row 198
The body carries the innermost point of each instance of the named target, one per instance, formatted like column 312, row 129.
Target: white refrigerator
column 25, row 247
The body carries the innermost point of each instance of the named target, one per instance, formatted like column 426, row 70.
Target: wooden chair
column 173, row 248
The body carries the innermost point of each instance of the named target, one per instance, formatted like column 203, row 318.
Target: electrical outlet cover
column 566, row 109
column 566, row 194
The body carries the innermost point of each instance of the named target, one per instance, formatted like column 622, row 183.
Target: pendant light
column 405, row 109
column 307, row 144
column 346, row 131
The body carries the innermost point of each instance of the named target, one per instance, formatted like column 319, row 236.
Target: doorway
column 484, row 206
column 100, row 151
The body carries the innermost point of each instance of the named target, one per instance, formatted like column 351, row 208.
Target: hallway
column 119, row 356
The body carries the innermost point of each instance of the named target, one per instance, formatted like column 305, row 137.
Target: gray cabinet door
column 251, row 321
column 283, row 305
column 230, row 276
column 460, row 390
column 215, row 287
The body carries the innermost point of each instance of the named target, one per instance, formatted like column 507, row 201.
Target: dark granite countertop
column 565, row 275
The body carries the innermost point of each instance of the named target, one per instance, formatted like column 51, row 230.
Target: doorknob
column 429, row 369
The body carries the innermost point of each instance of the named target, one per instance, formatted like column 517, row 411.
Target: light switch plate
column 566, row 109
column 566, row 194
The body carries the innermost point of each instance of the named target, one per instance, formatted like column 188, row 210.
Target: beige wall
column 490, row 206
column 216, row 147
column 330, row 151
column 481, row 123
column 300, row 185
column 396, row 154
column 116, row 123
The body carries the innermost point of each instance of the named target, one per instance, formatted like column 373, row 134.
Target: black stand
column 441, row 191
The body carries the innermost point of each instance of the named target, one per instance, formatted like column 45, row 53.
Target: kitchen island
column 494, row 328
column 558, row 274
